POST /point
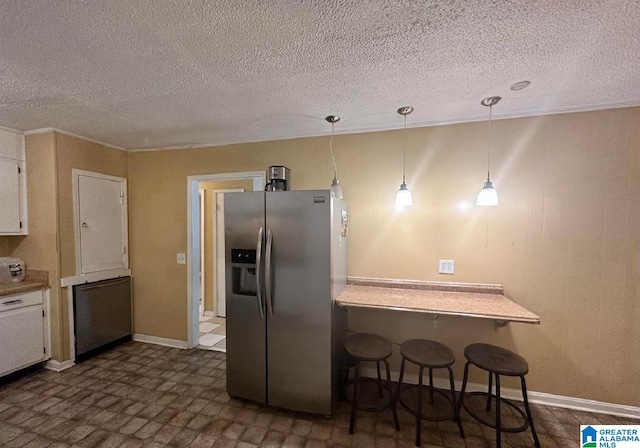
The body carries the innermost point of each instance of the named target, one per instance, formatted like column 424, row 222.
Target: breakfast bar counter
column 438, row 298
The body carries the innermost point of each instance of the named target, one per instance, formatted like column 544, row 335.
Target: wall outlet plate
column 446, row 267
column 181, row 259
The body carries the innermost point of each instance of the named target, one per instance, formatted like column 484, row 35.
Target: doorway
column 205, row 252
column 212, row 323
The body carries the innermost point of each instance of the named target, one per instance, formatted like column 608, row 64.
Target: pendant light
column 488, row 196
column 403, row 197
column 336, row 189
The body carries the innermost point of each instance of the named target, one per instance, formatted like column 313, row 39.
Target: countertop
column 457, row 299
column 33, row 281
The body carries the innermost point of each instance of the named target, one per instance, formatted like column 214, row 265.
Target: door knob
column 84, row 224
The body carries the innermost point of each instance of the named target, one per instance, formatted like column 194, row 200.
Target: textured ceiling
column 149, row 74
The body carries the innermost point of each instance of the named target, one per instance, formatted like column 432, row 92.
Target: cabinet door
column 9, row 196
column 102, row 223
column 21, row 338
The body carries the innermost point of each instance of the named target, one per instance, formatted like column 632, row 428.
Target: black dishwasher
column 102, row 314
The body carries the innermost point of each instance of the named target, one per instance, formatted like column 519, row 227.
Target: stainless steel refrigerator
column 286, row 262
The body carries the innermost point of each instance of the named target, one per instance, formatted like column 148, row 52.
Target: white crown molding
column 15, row 131
column 175, row 343
column 59, row 366
column 278, row 137
column 558, row 401
column 39, row 131
column 81, row 137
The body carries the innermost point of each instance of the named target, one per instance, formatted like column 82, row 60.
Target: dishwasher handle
column 117, row 281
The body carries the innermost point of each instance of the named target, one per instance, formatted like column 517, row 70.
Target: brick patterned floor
column 142, row 395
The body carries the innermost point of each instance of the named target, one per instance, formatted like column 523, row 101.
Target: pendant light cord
column 404, row 149
column 490, row 144
column 335, row 169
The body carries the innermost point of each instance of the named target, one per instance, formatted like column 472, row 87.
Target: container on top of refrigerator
column 12, row 270
column 279, row 178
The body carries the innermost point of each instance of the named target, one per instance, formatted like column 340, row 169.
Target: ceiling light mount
column 491, row 101
column 405, row 110
column 520, row 85
column 332, row 119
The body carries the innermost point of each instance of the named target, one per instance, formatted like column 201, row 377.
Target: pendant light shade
column 403, row 197
column 488, row 196
column 335, row 188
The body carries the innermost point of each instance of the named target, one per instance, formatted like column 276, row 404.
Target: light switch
column 182, row 259
column 446, row 267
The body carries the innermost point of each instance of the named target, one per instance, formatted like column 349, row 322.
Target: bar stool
column 430, row 355
column 364, row 347
column 498, row 361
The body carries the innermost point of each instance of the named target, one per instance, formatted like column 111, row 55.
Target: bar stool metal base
column 382, row 401
column 424, row 413
column 503, row 428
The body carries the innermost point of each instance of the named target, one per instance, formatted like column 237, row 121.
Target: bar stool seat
column 365, row 347
column 429, row 355
column 498, row 361
column 368, row 347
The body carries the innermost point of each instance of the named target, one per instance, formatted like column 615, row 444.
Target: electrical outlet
column 446, row 267
column 181, row 259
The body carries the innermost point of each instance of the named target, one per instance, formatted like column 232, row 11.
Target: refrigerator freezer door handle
column 267, row 273
column 258, row 270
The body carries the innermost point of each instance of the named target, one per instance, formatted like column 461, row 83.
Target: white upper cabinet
column 13, row 184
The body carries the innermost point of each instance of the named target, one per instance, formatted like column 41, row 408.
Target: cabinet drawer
column 20, row 300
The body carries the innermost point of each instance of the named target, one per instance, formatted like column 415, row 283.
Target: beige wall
column 209, row 232
column 4, row 246
column 564, row 242
column 38, row 249
column 50, row 244
column 75, row 153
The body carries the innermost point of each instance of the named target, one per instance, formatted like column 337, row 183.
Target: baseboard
column 559, row 401
column 209, row 314
column 175, row 343
column 59, row 366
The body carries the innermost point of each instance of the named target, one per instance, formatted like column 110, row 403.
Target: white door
column 102, row 222
column 221, row 308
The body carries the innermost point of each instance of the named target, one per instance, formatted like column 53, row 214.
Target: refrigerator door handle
column 258, row 270
column 267, row 273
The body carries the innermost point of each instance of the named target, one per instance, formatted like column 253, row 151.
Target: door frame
column 201, row 273
column 216, row 298
column 75, row 175
column 259, row 179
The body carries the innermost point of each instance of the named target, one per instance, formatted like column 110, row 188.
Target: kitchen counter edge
column 34, row 280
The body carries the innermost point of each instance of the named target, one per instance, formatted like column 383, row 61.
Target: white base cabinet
column 23, row 337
